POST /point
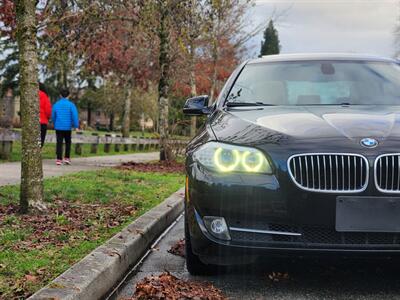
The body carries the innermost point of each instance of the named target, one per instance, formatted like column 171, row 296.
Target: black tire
column 193, row 263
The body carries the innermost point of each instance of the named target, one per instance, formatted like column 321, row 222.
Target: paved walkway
column 10, row 173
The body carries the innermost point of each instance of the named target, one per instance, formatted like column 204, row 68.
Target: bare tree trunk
column 213, row 84
column 163, row 85
column 126, row 120
column 193, row 126
column 215, row 56
column 31, row 161
column 111, row 124
column 193, row 88
column 65, row 74
column 165, row 152
column 89, row 113
column 7, row 109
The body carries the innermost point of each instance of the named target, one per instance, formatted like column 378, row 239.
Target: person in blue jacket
column 65, row 118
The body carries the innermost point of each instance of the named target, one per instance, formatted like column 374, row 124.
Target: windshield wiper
column 240, row 104
column 323, row 104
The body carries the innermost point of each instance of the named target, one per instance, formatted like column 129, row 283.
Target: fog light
column 217, row 227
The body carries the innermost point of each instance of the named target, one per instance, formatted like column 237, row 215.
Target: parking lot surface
column 305, row 279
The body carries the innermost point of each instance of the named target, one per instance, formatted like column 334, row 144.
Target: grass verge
column 85, row 209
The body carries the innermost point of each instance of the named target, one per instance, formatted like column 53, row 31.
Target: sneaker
column 58, row 162
column 67, row 161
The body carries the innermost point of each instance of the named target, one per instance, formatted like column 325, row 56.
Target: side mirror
column 196, row 106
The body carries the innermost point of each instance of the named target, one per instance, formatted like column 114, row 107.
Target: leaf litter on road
column 167, row 286
column 178, row 248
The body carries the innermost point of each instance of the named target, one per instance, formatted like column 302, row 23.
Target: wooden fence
column 8, row 137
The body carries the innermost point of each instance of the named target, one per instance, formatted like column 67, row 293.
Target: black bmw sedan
column 300, row 155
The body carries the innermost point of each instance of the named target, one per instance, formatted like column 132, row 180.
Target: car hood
column 285, row 123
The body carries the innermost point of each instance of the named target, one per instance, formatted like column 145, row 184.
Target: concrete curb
column 93, row 276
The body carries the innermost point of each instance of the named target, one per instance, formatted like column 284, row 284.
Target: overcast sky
column 364, row 26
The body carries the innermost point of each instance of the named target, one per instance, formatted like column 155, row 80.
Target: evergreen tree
column 270, row 45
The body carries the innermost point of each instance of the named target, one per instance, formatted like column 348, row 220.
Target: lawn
column 85, row 209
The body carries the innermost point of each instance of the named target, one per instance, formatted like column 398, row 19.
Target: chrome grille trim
column 387, row 173
column 329, row 172
column 264, row 231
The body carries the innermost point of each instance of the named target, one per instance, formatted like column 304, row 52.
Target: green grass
column 103, row 202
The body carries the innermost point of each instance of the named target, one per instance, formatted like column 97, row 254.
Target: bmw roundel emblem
column 369, row 142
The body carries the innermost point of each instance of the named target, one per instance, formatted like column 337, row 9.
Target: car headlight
column 227, row 158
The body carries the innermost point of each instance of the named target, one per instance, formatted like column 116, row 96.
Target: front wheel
column 193, row 263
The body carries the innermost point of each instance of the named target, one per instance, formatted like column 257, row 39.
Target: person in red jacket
column 45, row 112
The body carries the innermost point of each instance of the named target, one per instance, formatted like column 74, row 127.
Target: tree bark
column 213, row 84
column 7, row 109
column 31, row 161
column 215, row 37
column 193, row 126
column 163, row 85
column 111, row 124
column 215, row 57
column 193, row 88
column 126, row 120
column 89, row 113
column 64, row 74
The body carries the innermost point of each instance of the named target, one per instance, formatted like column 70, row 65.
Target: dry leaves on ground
column 63, row 222
column 169, row 287
column 178, row 248
column 160, row 167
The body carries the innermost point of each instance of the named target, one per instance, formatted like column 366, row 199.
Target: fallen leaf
column 178, row 248
column 167, row 286
column 159, row 167
column 31, row 278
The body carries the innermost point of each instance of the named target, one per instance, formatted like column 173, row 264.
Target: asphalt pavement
column 306, row 278
column 10, row 173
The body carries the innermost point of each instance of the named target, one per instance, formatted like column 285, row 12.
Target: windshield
column 318, row 83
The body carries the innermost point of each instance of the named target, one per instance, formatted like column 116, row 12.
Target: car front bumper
column 255, row 204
